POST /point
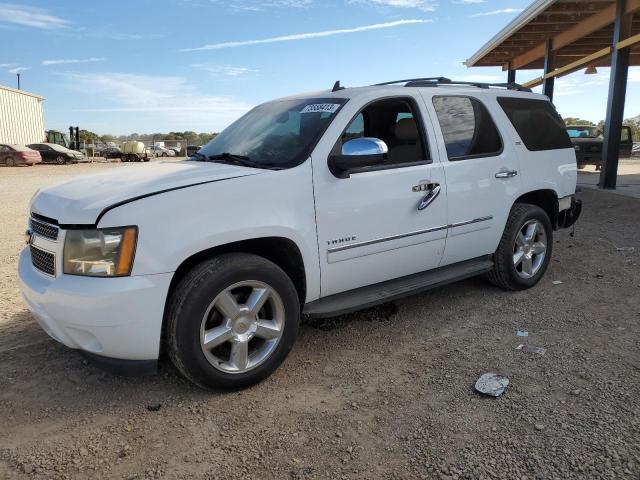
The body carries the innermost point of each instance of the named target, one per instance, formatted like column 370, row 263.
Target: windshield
column 583, row 132
column 278, row 134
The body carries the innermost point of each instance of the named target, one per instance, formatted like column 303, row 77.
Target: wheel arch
column 547, row 199
column 282, row 251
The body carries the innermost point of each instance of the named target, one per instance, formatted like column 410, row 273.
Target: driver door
column 370, row 227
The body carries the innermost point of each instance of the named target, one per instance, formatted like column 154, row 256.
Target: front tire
column 525, row 248
column 231, row 321
column 60, row 160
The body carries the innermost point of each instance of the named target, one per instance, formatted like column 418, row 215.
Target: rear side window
column 537, row 122
column 467, row 128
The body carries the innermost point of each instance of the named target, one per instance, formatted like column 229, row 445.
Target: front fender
column 176, row 225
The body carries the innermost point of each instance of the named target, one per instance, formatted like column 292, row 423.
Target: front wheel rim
column 242, row 327
column 530, row 249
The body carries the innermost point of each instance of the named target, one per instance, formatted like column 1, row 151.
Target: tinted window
column 537, row 123
column 467, row 128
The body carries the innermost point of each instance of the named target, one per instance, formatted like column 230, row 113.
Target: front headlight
column 106, row 252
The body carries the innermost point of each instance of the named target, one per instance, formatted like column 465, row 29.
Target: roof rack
column 436, row 81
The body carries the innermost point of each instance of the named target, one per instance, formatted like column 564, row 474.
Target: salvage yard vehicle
column 12, row 155
column 54, row 153
column 109, row 152
column 588, row 141
column 319, row 204
column 158, row 151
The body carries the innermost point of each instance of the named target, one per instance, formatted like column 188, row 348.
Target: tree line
column 188, row 137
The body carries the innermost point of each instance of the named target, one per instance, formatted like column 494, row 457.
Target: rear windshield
column 537, row 123
column 578, row 131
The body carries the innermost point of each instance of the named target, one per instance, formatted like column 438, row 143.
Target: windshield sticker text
column 321, row 107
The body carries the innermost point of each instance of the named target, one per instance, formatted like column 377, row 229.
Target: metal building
column 21, row 116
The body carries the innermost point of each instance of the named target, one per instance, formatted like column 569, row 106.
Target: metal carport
column 563, row 36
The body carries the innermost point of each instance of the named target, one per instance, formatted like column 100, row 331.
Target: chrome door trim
column 342, row 248
column 385, row 239
column 469, row 222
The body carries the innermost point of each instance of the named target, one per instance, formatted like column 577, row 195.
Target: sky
column 146, row 66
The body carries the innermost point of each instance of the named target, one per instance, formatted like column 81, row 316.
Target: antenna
column 337, row 87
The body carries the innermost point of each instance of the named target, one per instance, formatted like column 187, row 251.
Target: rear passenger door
column 481, row 169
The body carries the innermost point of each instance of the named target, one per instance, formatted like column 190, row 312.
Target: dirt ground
column 384, row 393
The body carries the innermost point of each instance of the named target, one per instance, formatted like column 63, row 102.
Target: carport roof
column 576, row 29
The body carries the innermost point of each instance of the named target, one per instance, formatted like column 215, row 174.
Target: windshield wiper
column 198, row 156
column 234, row 159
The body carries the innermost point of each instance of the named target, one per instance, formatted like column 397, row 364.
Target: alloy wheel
column 242, row 326
column 530, row 249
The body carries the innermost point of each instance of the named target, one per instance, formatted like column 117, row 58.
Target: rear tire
column 10, row 162
column 215, row 338
column 525, row 248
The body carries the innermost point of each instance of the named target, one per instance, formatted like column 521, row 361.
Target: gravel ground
column 384, row 393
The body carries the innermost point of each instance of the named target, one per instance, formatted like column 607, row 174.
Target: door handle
column 432, row 190
column 504, row 173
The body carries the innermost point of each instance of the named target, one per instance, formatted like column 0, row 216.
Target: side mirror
column 357, row 154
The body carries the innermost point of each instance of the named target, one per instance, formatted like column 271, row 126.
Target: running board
column 371, row 295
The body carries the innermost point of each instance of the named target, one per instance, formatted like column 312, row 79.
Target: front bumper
column 117, row 318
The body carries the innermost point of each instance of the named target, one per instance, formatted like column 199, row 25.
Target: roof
column 399, row 89
column 576, row 28
column 22, row 92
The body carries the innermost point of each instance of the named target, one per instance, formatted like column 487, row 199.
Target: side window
column 467, row 128
column 537, row 123
column 4, row 148
column 355, row 129
column 625, row 137
column 395, row 122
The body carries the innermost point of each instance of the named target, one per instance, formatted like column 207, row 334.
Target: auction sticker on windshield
column 321, row 107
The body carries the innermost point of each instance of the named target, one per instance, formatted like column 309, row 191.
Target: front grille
column 44, row 229
column 43, row 261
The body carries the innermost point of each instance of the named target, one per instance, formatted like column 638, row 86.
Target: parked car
column 318, row 204
column 588, row 141
column 157, row 151
column 12, row 155
column 191, row 149
column 54, row 153
column 635, row 151
column 176, row 150
column 110, row 152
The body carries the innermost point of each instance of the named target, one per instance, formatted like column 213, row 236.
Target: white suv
column 316, row 204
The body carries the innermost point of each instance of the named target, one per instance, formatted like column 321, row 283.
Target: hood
column 83, row 199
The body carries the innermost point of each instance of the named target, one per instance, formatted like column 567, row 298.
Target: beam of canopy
column 576, row 29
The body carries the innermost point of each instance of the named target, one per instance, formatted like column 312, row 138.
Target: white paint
column 203, row 205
